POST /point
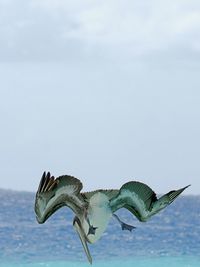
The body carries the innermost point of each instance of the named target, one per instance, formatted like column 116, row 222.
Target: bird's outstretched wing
column 54, row 193
column 141, row 200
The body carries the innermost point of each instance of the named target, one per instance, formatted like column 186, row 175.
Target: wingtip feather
column 46, row 181
column 42, row 181
column 182, row 189
column 175, row 193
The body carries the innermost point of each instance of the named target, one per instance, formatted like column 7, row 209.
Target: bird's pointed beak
column 80, row 232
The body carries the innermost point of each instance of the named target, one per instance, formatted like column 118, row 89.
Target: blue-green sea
column 171, row 238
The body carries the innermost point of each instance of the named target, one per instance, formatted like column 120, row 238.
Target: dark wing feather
column 166, row 199
column 141, row 200
column 54, row 193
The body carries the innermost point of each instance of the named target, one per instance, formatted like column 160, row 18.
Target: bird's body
column 94, row 209
column 99, row 214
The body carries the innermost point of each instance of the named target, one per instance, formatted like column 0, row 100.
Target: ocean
column 171, row 238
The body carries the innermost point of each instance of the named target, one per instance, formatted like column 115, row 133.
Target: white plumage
column 99, row 214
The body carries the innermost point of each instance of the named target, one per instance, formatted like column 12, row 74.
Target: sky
column 106, row 91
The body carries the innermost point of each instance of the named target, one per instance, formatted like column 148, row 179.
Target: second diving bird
column 94, row 209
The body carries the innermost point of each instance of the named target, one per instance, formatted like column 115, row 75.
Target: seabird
column 93, row 210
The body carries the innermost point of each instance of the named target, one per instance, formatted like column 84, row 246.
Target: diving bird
column 93, row 210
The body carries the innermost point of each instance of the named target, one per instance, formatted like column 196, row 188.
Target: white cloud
column 47, row 28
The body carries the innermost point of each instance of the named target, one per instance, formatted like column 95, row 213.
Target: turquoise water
column 156, row 262
column 171, row 238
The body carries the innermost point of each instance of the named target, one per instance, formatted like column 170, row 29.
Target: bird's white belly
column 99, row 214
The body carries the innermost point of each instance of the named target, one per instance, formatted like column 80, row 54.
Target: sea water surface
column 171, row 238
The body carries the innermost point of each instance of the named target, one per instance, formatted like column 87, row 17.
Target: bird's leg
column 124, row 225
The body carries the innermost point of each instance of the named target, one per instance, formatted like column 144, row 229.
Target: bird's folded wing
column 54, row 193
column 141, row 200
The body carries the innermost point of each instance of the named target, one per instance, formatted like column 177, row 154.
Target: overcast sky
column 107, row 91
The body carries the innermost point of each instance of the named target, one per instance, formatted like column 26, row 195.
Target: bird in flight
column 94, row 209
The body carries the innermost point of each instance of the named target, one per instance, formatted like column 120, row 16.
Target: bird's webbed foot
column 92, row 230
column 127, row 227
column 124, row 226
